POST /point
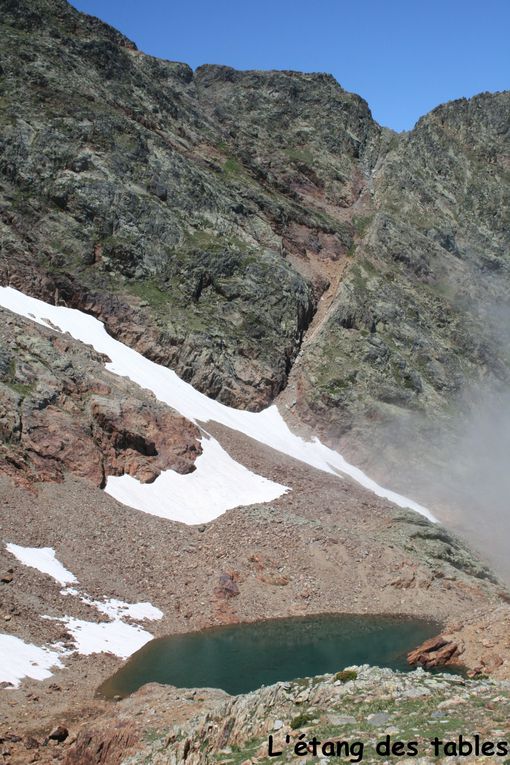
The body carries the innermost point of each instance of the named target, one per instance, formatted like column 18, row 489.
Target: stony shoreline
column 164, row 725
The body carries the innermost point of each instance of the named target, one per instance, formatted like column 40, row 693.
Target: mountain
column 303, row 311
column 258, row 230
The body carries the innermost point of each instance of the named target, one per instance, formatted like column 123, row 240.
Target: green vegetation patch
column 150, row 292
column 361, row 223
column 346, row 675
column 23, row 389
column 301, row 720
column 300, row 154
column 232, row 167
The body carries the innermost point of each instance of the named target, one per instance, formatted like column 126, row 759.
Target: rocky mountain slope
column 257, row 230
column 417, row 319
column 360, row 708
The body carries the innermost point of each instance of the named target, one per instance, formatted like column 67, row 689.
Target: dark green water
column 243, row 657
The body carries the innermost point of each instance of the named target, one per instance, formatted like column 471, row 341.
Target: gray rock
column 378, row 719
column 334, row 719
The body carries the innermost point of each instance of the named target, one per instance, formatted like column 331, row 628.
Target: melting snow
column 43, row 559
column 217, row 484
column 119, row 609
column 267, row 427
column 115, row 637
column 19, row 659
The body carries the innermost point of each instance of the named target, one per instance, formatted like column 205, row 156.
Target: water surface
column 242, row 657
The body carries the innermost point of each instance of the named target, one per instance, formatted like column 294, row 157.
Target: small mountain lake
column 242, row 657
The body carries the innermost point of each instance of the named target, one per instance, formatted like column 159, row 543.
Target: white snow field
column 217, row 484
column 19, row 659
column 167, row 496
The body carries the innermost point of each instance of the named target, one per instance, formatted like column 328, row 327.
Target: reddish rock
column 142, row 441
column 109, row 746
column 491, row 661
column 227, row 587
column 279, row 580
column 61, row 411
column 435, row 652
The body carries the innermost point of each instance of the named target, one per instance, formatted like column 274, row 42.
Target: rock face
column 256, row 230
column 417, row 318
column 143, row 216
column 60, row 410
column 112, row 748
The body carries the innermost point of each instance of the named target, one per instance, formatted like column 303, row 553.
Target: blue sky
column 403, row 56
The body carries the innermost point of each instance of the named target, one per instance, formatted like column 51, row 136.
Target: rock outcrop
column 110, row 748
column 438, row 651
column 61, row 411
column 371, row 705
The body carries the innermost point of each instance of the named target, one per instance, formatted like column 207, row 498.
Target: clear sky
column 403, row 56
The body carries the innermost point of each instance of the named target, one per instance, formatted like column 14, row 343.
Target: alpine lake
column 242, row 657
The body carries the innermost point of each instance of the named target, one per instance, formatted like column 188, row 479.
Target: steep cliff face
column 419, row 317
column 224, row 222
column 139, row 190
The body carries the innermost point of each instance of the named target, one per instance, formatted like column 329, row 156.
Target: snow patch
column 115, row 637
column 19, row 659
column 139, row 612
column 217, row 484
column 119, row 609
column 44, row 560
column 267, row 427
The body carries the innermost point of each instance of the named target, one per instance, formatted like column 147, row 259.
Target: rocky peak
column 56, row 16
